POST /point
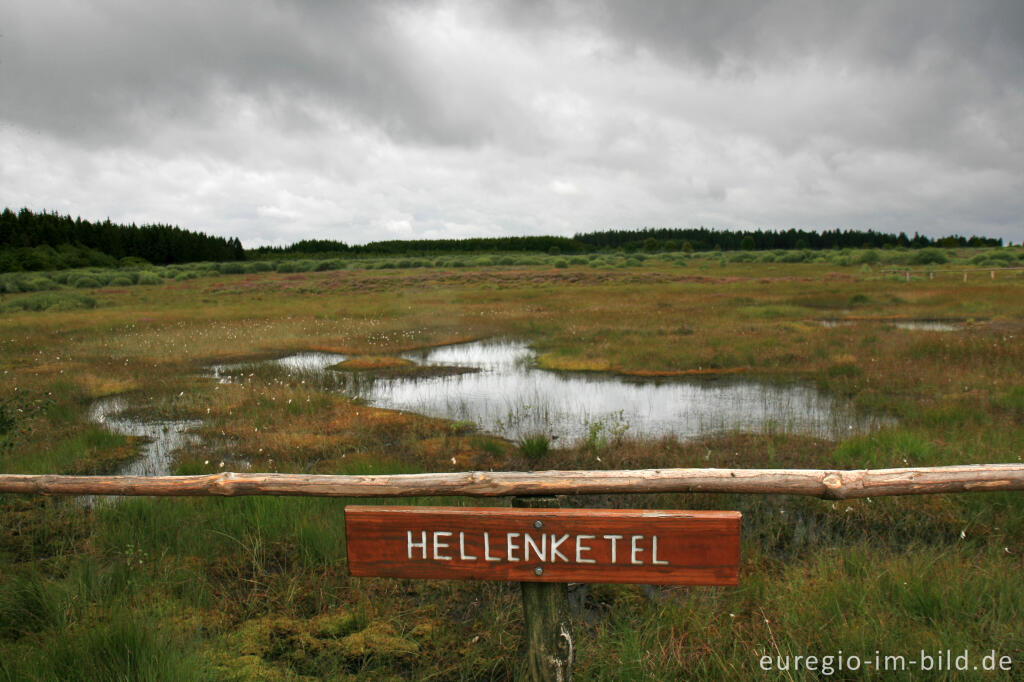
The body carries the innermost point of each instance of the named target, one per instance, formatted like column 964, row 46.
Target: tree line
column 50, row 241
column 704, row 239
column 647, row 239
column 401, row 247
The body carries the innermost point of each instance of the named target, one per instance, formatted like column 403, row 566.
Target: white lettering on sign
column 541, row 552
column 554, row 548
column 422, row 544
column 581, row 548
column 511, row 547
column 634, row 549
column 487, row 548
column 654, row 552
column 614, row 539
column 437, row 545
column 462, row 548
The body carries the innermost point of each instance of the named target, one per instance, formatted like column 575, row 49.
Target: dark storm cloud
column 106, row 72
column 278, row 121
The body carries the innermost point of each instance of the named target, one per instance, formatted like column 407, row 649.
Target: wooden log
column 823, row 483
column 550, row 642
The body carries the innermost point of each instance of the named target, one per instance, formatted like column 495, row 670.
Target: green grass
column 256, row 588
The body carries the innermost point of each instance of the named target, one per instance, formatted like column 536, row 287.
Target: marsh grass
column 256, row 588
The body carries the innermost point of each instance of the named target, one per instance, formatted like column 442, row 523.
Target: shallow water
column 927, row 325
column 910, row 325
column 164, row 438
column 312, row 362
column 510, row 397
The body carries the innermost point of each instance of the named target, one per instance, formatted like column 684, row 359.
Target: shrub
column 578, row 260
column 150, row 278
column 285, row 266
column 561, row 263
column 929, row 256
column 84, row 282
column 795, row 257
column 51, row 300
column 120, row 281
column 259, row 266
column 231, row 268
column 1004, row 257
column 26, row 284
column 633, row 262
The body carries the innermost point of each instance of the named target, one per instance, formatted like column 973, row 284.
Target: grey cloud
column 87, row 72
column 278, row 121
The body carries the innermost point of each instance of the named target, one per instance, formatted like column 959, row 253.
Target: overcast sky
column 361, row 121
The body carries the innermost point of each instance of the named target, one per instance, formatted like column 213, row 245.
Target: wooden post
column 550, row 643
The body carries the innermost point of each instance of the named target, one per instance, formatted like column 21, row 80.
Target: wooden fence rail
column 824, row 483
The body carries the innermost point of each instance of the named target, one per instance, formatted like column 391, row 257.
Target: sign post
column 550, row 641
column 544, row 548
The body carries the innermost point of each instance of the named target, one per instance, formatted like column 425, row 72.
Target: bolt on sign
column 545, row 545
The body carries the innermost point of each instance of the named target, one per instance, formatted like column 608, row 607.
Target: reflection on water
column 927, row 325
column 312, row 362
column 510, row 397
column 309, row 362
column 163, row 438
column 911, row 325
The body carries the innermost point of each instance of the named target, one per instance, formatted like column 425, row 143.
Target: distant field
column 256, row 588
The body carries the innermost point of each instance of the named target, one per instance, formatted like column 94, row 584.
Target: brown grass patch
column 365, row 362
column 683, row 372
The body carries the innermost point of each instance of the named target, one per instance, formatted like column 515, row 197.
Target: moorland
column 256, row 587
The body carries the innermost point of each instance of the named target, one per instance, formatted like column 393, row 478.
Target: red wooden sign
column 545, row 545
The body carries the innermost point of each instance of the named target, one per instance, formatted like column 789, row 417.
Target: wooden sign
column 545, row 545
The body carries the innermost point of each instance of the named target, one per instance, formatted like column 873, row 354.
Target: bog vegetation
column 256, row 588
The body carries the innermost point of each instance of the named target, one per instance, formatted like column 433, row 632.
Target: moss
column 325, row 646
column 378, row 640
